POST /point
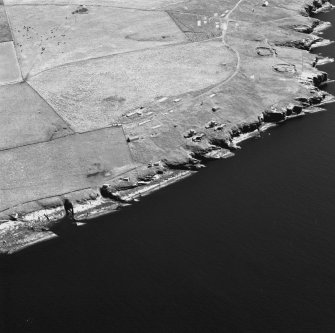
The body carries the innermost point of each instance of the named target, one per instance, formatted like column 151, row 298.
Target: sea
column 245, row 245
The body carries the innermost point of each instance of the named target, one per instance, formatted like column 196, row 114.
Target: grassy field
column 94, row 94
column 141, row 4
column 5, row 33
column 25, row 118
column 50, row 36
column 9, row 67
column 63, row 165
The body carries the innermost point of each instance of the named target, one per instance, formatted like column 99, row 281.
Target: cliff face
column 274, row 78
column 142, row 119
column 316, row 5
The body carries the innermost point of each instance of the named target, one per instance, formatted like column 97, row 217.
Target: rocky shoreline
column 36, row 221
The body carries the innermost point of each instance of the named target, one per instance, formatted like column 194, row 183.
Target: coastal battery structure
column 105, row 101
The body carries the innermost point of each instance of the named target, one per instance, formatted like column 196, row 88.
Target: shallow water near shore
column 245, row 245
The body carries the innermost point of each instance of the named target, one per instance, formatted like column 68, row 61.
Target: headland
column 106, row 102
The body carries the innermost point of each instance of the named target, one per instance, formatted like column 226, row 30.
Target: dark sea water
column 246, row 245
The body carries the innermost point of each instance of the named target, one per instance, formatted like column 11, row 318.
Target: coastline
column 32, row 224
